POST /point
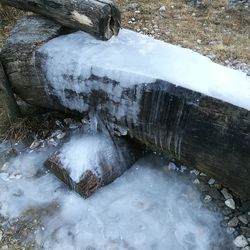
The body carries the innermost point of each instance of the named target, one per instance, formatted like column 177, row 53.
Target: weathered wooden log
column 200, row 131
column 10, row 104
column 100, row 18
column 93, row 161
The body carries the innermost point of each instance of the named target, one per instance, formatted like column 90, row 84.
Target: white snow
column 146, row 208
column 132, row 58
column 87, row 152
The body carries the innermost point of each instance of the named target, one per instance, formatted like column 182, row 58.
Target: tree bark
column 200, row 131
column 10, row 104
column 100, row 18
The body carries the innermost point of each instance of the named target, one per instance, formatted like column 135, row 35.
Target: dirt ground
column 215, row 31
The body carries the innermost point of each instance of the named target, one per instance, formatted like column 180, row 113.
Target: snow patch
column 87, row 153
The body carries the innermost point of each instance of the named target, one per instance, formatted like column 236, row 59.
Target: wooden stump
column 115, row 157
column 100, row 18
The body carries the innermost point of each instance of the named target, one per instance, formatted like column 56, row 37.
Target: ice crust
column 86, row 153
column 132, row 58
column 146, row 208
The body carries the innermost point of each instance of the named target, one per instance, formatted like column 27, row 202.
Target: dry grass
column 213, row 30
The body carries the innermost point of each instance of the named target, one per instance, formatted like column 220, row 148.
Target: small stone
column 1, row 235
column 230, row 203
column 162, row 8
column 5, row 166
column 211, row 181
column 171, row 166
column 246, row 248
column 207, row 199
column 212, row 56
column 183, row 168
column 53, row 142
column 233, row 222
column 240, row 241
column 35, row 144
column 243, row 219
column 194, row 171
column 226, row 194
column 199, row 41
column 132, row 6
column 61, row 136
column 230, row 230
column 196, row 181
column 245, row 231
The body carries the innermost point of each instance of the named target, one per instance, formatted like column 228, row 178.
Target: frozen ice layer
column 132, row 58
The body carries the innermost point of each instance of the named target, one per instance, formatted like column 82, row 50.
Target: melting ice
column 146, row 208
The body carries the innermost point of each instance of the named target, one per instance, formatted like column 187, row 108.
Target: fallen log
column 90, row 162
column 100, row 18
column 10, row 103
column 136, row 95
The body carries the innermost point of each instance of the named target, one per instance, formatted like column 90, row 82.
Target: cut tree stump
column 101, row 166
column 200, row 131
column 100, row 18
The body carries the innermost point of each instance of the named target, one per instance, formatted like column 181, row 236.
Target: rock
column 196, row 181
column 211, row 181
column 245, row 231
column 226, row 194
column 230, row 230
column 233, row 222
column 132, row 6
column 35, row 144
column 230, row 203
column 246, row 248
column 1, row 235
column 163, row 8
column 215, row 194
column 240, row 241
column 5, row 247
column 207, row 199
column 243, row 218
column 5, row 166
column 212, row 56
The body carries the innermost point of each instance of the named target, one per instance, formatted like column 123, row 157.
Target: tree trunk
column 200, row 131
column 10, row 104
column 100, row 18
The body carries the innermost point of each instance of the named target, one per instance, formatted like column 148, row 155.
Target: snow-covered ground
column 146, row 208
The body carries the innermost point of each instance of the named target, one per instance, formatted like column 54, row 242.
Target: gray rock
column 211, row 181
column 1, row 235
column 246, row 248
column 240, row 241
column 243, row 218
column 207, row 199
column 245, row 230
column 163, row 8
column 226, row 194
column 233, row 222
column 132, row 6
column 230, row 203
column 230, row 230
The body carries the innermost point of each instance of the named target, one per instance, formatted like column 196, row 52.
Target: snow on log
column 169, row 98
column 87, row 163
column 100, row 18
